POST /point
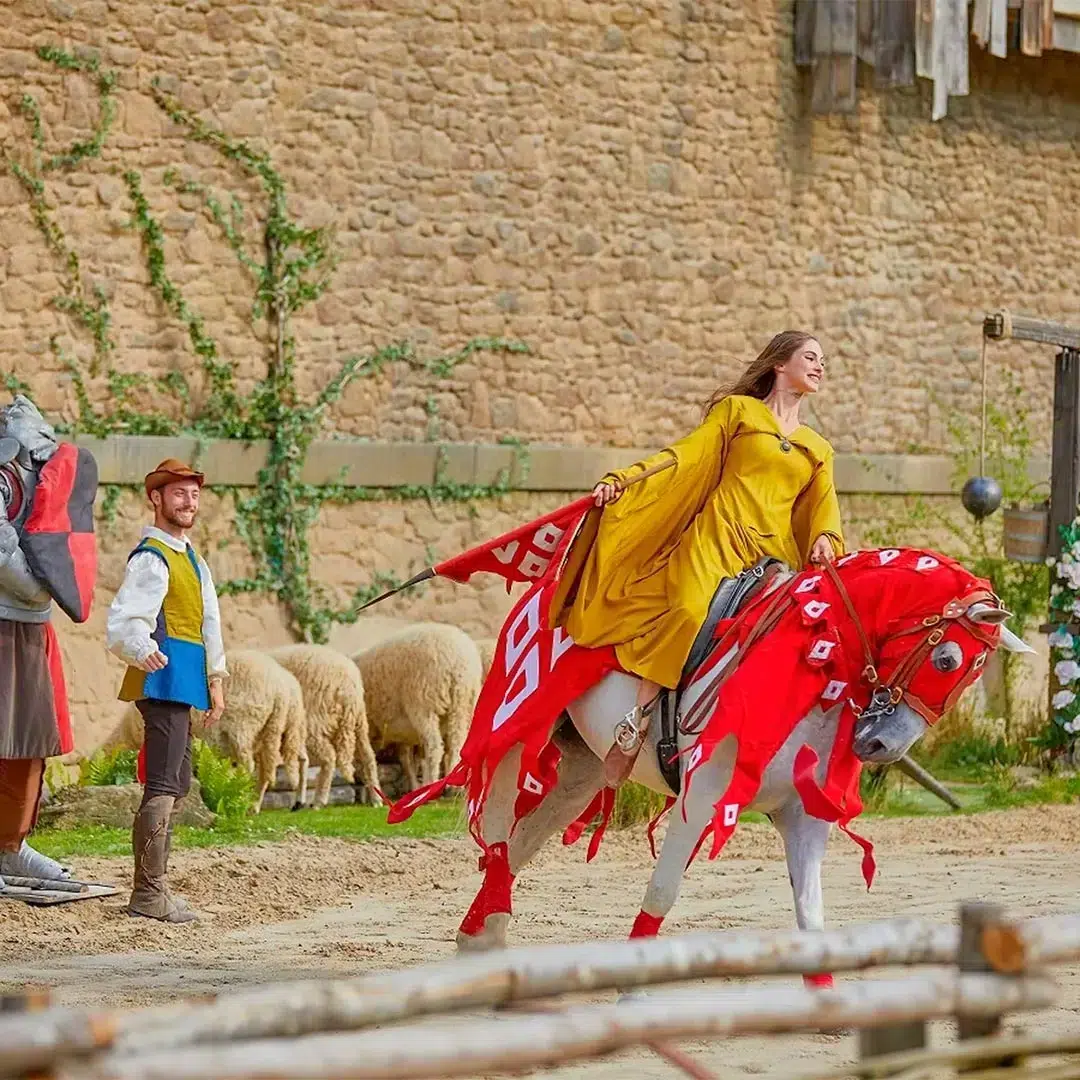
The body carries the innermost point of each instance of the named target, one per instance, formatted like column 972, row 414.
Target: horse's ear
column 987, row 614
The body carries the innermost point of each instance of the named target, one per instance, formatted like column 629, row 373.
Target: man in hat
column 47, row 552
column 165, row 623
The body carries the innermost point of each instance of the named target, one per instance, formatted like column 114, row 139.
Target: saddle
column 731, row 596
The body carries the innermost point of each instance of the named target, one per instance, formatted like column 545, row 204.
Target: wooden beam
column 1005, row 326
column 125, row 459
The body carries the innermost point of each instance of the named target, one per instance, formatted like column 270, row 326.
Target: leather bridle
column 886, row 694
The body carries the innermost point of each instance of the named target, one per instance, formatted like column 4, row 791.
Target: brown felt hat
column 168, row 472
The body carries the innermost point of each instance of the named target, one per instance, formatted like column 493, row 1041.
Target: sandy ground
column 333, row 908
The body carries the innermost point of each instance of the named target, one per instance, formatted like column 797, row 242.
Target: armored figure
column 47, row 553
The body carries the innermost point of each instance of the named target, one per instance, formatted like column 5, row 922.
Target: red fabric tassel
column 818, row 982
column 494, row 895
column 55, row 662
column 646, row 925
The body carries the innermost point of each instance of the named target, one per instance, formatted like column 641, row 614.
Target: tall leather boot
column 179, row 901
column 150, row 840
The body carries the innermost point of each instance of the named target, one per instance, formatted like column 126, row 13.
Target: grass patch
column 359, row 823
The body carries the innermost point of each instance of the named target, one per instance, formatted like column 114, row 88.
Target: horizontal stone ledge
column 125, row 459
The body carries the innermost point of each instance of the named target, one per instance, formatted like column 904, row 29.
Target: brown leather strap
column 689, row 724
column 870, row 670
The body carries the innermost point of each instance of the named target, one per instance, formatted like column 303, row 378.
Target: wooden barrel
column 1027, row 534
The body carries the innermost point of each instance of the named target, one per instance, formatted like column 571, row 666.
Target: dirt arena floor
column 310, row 908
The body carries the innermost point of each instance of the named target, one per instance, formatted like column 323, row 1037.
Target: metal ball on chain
column 981, row 496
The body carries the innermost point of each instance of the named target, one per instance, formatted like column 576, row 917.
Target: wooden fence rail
column 397, row 1024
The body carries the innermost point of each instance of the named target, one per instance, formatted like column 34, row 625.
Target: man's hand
column 822, row 552
column 217, row 702
column 154, row 662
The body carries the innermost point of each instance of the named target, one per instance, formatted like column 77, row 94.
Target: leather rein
column 885, row 695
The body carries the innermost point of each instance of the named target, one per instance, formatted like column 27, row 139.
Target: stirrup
column 630, row 731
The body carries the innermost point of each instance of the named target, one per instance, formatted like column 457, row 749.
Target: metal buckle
column 936, row 636
column 627, row 733
column 870, row 674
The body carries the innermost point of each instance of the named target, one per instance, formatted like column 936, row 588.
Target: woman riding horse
column 751, row 481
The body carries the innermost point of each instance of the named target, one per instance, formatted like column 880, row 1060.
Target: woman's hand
column 822, row 552
column 605, row 493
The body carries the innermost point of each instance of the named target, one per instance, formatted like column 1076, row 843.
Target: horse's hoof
column 493, row 936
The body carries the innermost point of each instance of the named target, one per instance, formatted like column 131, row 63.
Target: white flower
column 1066, row 672
column 1061, row 639
column 1070, row 574
column 1069, row 726
column 1050, row 560
column 1063, row 699
column 1066, row 557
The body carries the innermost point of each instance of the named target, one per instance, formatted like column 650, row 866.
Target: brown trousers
column 20, row 794
column 168, row 748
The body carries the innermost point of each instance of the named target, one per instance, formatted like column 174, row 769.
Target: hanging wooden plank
column 845, row 52
column 980, row 23
column 894, row 43
column 924, row 38
column 1048, row 23
column 865, row 11
column 1031, row 28
column 821, row 100
column 804, row 32
column 955, row 31
column 835, row 43
column 999, row 22
column 1067, row 35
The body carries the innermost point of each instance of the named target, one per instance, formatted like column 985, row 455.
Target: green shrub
column 228, row 789
column 635, row 803
column 108, row 767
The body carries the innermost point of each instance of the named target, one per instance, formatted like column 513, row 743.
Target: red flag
column 524, row 554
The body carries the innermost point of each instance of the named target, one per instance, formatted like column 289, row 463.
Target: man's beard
column 173, row 518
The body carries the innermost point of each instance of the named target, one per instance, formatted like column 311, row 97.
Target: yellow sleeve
column 699, row 455
column 817, row 511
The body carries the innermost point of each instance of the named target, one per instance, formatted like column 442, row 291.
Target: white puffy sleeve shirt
column 134, row 611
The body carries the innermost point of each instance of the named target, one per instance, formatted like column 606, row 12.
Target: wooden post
column 975, row 921
column 1065, row 459
column 873, row 1042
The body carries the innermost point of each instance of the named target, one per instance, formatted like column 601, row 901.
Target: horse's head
column 929, row 633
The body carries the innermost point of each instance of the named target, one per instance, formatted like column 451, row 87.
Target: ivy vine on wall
column 293, row 269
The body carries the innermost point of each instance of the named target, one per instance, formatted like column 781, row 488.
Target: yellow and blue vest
column 178, row 635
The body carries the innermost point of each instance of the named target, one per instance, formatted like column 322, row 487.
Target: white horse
column 589, row 731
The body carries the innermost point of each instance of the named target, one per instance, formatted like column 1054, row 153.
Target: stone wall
column 350, row 545
column 637, row 190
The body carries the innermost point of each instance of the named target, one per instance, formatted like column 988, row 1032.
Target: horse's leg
column 682, row 840
column 805, row 839
column 485, row 923
column 580, row 775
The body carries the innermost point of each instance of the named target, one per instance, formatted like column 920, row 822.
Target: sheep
column 263, row 723
column 337, row 727
column 421, row 686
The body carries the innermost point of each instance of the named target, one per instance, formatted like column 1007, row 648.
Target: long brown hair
column 759, row 377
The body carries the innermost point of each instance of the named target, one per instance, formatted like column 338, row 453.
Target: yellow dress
column 739, row 490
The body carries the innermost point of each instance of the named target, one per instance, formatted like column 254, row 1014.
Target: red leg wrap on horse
column 818, row 982
column 646, row 925
column 494, row 895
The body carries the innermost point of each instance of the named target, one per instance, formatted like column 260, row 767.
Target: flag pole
column 430, row 572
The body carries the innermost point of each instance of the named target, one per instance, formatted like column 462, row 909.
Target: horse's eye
column 948, row 656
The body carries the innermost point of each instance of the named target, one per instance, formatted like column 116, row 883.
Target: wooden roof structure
column 903, row 40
